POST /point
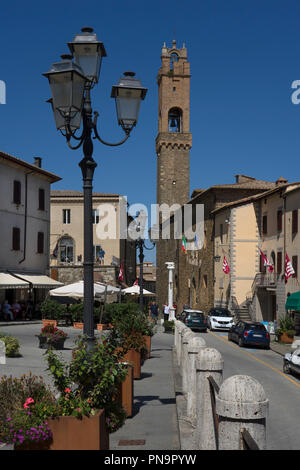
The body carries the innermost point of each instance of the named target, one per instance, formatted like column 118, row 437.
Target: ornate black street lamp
column 71, row 81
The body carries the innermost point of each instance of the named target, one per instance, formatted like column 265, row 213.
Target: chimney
column 38, row 162
column 243, row 179
column 281, row 180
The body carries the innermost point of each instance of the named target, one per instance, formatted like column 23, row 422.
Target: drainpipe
column 25, row 218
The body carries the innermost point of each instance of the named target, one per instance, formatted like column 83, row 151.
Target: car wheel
column 286, row 368
column 241, row 343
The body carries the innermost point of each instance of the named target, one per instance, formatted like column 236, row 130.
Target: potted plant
column 51, row 312
column 12, row 345
column 169, row 326
column 127, row 334
column 102, row 318
column 88, row 386
column 23, row 422
column 76, row 312
column 286, row 331
column 52, row 337
column 148, row 332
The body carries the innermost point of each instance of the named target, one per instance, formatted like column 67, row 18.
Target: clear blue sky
column 244, row 56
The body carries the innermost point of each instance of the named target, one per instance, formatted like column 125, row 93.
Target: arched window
column 66, row 250
column 174, row 120
column 173, row 58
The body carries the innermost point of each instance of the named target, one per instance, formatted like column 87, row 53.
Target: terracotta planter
column 134, row 358
column 125, row 394
column 70, row 433
column 147, row 340
column 102, row 326
column 284, row 338
column 47, row 322
column 78, row 325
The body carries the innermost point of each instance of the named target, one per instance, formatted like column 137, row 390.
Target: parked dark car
column 249, row 333
column 194, row 319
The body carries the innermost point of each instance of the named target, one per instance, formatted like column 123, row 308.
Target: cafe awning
column 38, row 281
column 293, row 301
column 7, row 281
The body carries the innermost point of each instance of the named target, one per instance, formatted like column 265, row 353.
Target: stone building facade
column 25, row 229
column 67, row 238
column 194, row 270
column 173, row 143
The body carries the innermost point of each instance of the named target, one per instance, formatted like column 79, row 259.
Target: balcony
column 266, row 279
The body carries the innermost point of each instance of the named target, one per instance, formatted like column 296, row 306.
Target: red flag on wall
column 266, row 262
column 226, row 267
column 288, row 270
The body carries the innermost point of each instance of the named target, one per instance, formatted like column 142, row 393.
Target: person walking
column 166, row 312
column 154, row 311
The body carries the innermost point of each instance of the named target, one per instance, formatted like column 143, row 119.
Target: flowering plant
column 52, row 333
column 25, row 404
column 90, row 382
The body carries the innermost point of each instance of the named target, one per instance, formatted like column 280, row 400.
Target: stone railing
column 223, row 415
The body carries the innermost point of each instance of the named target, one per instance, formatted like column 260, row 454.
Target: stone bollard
column 179, row 327
column 209, row 362
column 195, row 345
column 241, row 403
column 179, row 349
column 186, row 336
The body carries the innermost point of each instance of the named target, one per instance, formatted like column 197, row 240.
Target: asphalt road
column 283, row 391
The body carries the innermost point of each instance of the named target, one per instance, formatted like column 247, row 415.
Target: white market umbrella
column 76, row 290
column 135, row 290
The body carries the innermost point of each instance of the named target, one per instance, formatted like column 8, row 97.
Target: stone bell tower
column 173, row 144
column 174, row 139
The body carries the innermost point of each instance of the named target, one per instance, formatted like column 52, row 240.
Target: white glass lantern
column 67, row 88
column 128, row 95
column 88, row 52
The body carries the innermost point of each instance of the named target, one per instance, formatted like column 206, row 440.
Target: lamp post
column 71, row 81
column 140, row 244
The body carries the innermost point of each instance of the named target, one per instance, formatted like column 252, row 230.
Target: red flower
column 67, row 390
column 28, row 402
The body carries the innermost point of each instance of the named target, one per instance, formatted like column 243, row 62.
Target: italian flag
column 183, row 244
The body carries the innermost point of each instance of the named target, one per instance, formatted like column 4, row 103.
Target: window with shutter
column 17, row 192
column 279, row 220
column 295, row 221
column 295, row 265
column 41, row 199
column 279, row 262
column 265, row 224
column 16, row 239
column 40, row 242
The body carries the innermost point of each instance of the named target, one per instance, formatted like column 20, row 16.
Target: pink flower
column 28, row 402
column 67, row 390
column 79, row 410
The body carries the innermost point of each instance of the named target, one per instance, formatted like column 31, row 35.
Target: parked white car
column 291, row 362
column 219, row 319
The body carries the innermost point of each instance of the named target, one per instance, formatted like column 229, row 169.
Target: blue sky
column 244, row 57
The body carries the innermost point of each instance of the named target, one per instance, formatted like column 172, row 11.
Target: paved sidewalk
column 154, row 423
column 282, row 348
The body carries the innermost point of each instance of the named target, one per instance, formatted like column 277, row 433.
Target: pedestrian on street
column 16, row 308
column 166, row 312
column 154, row 310
column 6, row 310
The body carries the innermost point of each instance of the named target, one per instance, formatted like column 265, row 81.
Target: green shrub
column 52, row 310
column 76, row 311
column 12, row 345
